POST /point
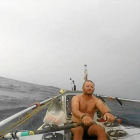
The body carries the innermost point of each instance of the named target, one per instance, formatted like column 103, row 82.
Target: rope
column 24, row 119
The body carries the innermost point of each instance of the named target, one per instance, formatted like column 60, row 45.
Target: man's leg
column 78, row 132
column 97, row 130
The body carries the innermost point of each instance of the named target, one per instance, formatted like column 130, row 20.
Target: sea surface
column 13, row 101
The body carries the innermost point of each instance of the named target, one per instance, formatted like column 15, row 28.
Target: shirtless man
column 83, row 109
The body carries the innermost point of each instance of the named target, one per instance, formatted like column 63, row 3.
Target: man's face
column 88, row 88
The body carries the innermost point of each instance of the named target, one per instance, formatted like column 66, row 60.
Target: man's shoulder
column 95, row 99
column 77, row 96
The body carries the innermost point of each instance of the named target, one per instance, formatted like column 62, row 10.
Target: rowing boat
column 56, row 121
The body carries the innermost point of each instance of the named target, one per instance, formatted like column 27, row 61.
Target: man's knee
column 101, row 131
column 96, row 130
column 77, row 130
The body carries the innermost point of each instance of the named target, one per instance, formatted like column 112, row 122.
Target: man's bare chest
column 88, row 107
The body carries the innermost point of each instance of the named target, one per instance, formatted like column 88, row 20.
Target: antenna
column 86, row 73
column 74, row 87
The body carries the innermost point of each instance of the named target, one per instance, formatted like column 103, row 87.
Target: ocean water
column 128, row 112
column 12, row 102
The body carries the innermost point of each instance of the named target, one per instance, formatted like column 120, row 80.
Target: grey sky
column 46, row 42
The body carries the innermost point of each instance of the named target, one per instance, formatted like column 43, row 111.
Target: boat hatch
column 68, row 106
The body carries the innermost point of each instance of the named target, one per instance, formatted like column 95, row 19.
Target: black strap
column 14, row 136
column 106, row 112
column 82, row 116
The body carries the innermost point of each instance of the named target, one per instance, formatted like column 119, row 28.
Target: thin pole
column 86, row 73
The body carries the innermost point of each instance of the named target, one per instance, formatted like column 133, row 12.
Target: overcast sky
column 47, row 42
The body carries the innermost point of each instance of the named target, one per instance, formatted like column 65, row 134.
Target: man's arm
column 100, row 105
column 75, row 107
column 107, row 116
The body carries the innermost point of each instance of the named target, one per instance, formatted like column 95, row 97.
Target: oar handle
column 58, row 128
column 73, row 125
column 117, row 120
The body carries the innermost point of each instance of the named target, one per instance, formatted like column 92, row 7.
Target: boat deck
column 114, row 131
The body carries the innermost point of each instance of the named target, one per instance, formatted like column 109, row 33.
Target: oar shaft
column 46, row 130
column 58, row 128
column 20, row 113
column 124, row 99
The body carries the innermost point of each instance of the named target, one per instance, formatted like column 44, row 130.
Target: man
column 83, row 109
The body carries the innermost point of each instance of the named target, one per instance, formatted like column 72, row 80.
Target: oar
column 46, row 130
column 126, row 122
column 119, row 99
column 23, row 111
column 122, row 121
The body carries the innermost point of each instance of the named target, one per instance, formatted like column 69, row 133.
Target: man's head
column 88, row 87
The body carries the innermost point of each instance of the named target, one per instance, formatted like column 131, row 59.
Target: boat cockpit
column 59, row 114
column 113, row 130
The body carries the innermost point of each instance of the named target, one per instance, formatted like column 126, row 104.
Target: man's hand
column 108, row 117
column 87, row 120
